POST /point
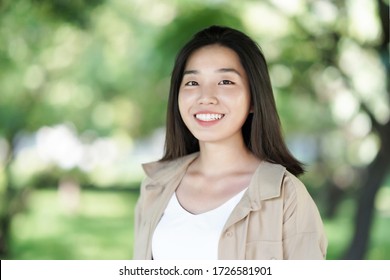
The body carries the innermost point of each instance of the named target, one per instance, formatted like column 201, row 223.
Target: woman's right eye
column 191, row 83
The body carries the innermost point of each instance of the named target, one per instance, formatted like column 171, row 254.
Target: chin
column 209, row 138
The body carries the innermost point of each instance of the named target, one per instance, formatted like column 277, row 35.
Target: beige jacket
column 275, row 219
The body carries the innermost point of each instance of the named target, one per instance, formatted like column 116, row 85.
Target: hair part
column 261, row 130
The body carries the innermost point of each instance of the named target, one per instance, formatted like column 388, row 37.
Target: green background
column 83, row 95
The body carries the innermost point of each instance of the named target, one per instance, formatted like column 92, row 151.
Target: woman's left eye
column 225, row 82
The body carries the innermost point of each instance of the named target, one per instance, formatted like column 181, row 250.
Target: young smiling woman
column 226, row 187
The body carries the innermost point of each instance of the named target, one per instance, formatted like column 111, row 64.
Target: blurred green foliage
column 83, row 83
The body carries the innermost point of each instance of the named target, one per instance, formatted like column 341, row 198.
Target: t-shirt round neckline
column 233, row 200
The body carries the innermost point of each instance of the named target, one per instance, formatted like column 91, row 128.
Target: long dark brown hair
column 261, row 131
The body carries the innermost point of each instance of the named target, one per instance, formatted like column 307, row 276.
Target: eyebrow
column 228, row 70
column 221, row 70
column 189, row 72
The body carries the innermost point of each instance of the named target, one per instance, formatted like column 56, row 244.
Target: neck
column 218, row 159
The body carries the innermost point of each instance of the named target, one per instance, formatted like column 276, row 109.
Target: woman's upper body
column 275, row 219
column 223, row 132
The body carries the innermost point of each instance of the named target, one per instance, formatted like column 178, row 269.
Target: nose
column 207, row 97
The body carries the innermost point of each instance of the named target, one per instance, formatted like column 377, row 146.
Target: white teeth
column 209, row 117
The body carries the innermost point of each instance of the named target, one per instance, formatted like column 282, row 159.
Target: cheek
column 183, row 107
column 240, row 102
column 180, row 103
column 184, row 101
column 247, row 101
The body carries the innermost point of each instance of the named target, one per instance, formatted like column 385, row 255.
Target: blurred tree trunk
column 5, row 215
column 376, row 172
column 4, row 236
column 335, row 196
column 374, row 178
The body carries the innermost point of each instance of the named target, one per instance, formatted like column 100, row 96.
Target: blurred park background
column 83, row 94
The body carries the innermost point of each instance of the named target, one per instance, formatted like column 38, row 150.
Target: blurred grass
column 102, row 228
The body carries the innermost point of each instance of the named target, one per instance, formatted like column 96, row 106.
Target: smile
column 209, row 117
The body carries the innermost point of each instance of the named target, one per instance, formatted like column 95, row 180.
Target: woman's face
column 214, row 96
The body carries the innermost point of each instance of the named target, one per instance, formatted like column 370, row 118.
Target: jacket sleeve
column 138, row 250
column 303, row 231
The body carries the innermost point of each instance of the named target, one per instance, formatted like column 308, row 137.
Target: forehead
column 214, row 56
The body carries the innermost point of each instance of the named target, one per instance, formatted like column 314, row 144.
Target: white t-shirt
column 181, row 235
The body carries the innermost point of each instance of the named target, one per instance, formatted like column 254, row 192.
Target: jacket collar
column 161, row 172
column 265, row 183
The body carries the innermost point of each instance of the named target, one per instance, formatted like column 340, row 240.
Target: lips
column 208, row 117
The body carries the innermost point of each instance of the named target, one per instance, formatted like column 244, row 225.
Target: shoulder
column 294, row 187
column 299, row 203
column 160, row 177
column 164, row 173
column 274, row 180
column 304, row 232
column 164, row 170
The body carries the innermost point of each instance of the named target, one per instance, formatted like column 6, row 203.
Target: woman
column 226, row 186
